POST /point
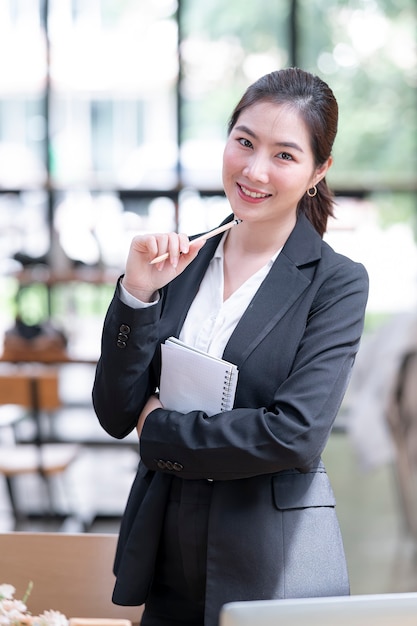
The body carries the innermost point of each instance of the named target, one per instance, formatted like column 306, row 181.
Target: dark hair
column 315, row 102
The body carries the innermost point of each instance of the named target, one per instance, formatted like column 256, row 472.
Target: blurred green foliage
column 364, row 49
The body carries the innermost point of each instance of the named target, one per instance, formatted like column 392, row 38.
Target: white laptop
column 393, row 609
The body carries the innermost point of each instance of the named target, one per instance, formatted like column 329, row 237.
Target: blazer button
column 169, row 465
column 178, row 467
column 123, row 336
column 161, row 464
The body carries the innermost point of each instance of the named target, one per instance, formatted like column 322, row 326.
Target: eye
column 285, row 156
column 245, row 142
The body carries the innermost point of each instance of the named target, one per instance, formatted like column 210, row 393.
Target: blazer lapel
column 178, row 299
column 289, row 276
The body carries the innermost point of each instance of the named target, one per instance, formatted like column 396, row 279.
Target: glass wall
column 113, row 74
column 113, row 114
column 366, row 51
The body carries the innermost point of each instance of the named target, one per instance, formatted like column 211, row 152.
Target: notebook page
column 193, row 380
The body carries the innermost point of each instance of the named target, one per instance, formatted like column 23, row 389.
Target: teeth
column 253, row 194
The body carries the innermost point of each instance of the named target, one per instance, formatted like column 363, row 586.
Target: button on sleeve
column 123, row 336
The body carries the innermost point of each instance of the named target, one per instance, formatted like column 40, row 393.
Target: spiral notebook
column 192, row 380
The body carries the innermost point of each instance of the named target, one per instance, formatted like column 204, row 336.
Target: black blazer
column 273, row 531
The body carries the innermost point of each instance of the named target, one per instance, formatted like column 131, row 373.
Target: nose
column 256, row 169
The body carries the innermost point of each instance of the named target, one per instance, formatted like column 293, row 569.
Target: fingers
column 187, row 257
column 142, row 279
column 177, row 244
column 175, row 247
column 152, row 403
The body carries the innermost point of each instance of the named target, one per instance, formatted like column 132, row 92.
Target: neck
column 259, row 238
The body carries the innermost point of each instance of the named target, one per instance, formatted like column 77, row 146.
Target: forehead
column 276, row 121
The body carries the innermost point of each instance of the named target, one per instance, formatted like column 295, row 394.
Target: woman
column 238, row 506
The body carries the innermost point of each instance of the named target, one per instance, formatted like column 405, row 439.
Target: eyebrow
column 283, row 144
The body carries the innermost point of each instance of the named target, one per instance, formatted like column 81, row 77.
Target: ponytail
column 318, row 208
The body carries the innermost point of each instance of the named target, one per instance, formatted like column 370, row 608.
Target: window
column 122, row 106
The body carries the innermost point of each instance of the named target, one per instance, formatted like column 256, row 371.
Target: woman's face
column 268, row 163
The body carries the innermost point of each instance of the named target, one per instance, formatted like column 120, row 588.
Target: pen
column 211, row 233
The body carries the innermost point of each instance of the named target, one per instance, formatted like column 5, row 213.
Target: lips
column 256, row 195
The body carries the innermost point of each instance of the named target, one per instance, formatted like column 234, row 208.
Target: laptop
column 395, row 609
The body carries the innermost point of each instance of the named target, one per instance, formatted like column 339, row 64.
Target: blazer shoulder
column 330, row 258
column 308, row 251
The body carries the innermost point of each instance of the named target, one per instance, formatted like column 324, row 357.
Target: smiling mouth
column 252, row 194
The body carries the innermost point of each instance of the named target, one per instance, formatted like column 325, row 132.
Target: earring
column 312, row 191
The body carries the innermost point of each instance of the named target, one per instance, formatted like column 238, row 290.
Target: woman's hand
column 152, row 404
column 142, row 279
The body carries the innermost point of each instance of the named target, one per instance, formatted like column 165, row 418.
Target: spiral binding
column 227, row 392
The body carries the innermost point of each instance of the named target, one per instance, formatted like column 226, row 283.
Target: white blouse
column 210, row 320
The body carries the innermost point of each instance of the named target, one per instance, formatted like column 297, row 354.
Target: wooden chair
column 71, row 573
column 34, row 390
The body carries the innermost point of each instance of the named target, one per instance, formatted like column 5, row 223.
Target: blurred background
column 113, row 117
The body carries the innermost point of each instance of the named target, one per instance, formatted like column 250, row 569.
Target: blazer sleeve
column 290, row 428
column 126, row 374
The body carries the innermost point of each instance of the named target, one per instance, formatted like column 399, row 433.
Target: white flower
column 50, row 618
column 15, row 613
column 12, row 612
column 7, row 592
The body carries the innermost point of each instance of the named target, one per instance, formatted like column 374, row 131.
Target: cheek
column 227, row 156
column 229, row 162
column 233, row 156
